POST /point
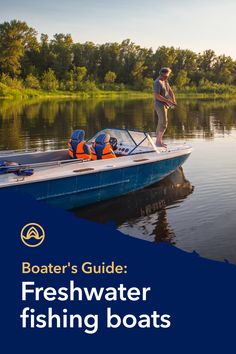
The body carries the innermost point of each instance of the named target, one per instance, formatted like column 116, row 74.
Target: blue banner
column 72, row 285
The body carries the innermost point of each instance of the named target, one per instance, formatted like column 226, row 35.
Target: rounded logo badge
column 32, row 235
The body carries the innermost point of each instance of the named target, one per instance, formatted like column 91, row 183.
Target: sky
column 188, row 24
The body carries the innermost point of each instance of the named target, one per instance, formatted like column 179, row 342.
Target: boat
column 54, row 177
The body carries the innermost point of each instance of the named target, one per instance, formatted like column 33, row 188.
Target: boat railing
column 42, row 164
column 19, row 151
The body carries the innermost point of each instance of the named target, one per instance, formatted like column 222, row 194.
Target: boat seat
column 103, row 147
column 78, row 148
column 38, row 157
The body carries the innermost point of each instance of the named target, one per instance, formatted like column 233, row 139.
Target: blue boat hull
column 81, row 190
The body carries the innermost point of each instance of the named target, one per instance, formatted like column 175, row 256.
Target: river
column 194, row 209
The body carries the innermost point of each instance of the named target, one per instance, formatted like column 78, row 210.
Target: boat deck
column 68, row 168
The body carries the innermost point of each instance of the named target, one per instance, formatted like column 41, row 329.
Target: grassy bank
column 205, row 95
column 208, row 90
column 219, row 91
column 10, row 93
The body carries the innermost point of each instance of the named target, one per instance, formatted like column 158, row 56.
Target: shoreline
column 12, row 94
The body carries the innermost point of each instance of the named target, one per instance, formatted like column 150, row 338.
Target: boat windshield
column 134, row 139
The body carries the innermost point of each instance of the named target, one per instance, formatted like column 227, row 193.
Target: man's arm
column 162, row 99
column 172, row 95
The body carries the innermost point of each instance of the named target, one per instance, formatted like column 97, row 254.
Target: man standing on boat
column 164, row 98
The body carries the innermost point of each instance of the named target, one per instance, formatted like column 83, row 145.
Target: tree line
column 59, row 63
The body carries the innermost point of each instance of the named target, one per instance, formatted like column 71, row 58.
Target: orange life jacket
column 93, row 153
column 80, row 151
column 106, row 151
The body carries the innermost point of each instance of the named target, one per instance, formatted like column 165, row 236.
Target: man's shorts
column 161, row 111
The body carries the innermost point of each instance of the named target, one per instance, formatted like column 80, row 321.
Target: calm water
column 194, row 209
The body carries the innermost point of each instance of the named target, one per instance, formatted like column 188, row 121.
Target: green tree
column 11, row 82
column 45, row 57
column 164, row 56
column 206, row 60
column 88, row 55
column 31, row 81
column 132, row 63
column 68, row 82
column 147, row 84
column 224, row 69
column 15, row 39
column 89, row 86
column 110, row 77
column 79, row 74
column 109, row 55
column 75, row 79
column 61, row 52
column 182, row 79
column 49, row 81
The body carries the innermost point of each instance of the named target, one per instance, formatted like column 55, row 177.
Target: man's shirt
column 161, row 87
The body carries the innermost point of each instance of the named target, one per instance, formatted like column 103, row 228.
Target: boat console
column 128, row 142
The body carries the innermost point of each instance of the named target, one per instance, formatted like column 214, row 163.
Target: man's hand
column 175, row 103
column 171, row 103
column 166, row 101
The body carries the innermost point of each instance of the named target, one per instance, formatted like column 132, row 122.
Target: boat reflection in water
column 143, row 214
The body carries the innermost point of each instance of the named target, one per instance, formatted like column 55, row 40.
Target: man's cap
column 165, row 70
